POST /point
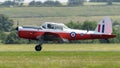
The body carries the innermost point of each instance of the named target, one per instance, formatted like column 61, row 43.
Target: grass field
column 38, row 15
column 60, row 56
column 26, row 12
column 39, row 21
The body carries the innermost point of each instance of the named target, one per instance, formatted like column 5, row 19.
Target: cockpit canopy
column 56, row 26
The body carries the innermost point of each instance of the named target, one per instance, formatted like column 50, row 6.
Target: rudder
column 104, row 26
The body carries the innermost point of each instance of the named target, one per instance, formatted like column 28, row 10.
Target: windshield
column 64, row 26
column 54, row 26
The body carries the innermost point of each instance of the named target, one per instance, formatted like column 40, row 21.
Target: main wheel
column 38, row 48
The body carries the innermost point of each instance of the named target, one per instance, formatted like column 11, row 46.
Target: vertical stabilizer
column 104, row 26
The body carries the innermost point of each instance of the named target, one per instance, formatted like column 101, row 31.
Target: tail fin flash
column 104, row 26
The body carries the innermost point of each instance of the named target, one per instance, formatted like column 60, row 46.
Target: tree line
column 51, row 3
column 109, row 2
column 104, row 0
column 47, row 3
column 8, row 34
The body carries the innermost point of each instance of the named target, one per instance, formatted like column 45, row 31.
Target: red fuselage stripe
column 33, row 35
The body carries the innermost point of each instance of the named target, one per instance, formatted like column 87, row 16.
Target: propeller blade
column 17, row 25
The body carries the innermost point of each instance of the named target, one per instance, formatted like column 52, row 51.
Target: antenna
column 87, row 28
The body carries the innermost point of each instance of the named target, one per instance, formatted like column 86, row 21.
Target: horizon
column 26, row 1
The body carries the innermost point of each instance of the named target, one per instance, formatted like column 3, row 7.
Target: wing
column 49, row 36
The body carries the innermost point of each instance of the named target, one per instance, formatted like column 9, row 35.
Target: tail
column 104, row 26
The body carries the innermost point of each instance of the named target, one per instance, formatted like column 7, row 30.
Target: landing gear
column 38, row 47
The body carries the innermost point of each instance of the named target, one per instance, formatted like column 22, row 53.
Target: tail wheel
column 38, row 47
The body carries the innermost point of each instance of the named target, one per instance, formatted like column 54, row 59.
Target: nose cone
column 16, row 28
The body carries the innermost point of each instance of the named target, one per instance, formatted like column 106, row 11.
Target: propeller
column 17, row 25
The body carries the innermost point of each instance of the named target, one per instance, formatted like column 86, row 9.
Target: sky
column 37, row 0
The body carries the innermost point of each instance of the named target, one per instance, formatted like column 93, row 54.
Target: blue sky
column 37, row 0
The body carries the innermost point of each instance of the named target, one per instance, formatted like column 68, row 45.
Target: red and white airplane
column 59, row 32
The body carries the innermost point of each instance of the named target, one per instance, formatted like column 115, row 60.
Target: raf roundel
column 73, row 34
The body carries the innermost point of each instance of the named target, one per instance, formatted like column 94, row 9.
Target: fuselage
column 66, row 34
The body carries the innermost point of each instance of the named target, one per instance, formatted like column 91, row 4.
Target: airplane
column 50, row 31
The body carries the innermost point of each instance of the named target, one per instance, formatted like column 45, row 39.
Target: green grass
column 60, row 56
column 61, row 47
column 95, row 3
column 38, row 15
column 60, row 11
column 60, row 59
column 39, row 21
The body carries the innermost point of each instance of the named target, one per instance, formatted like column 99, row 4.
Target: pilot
column 50, row 26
